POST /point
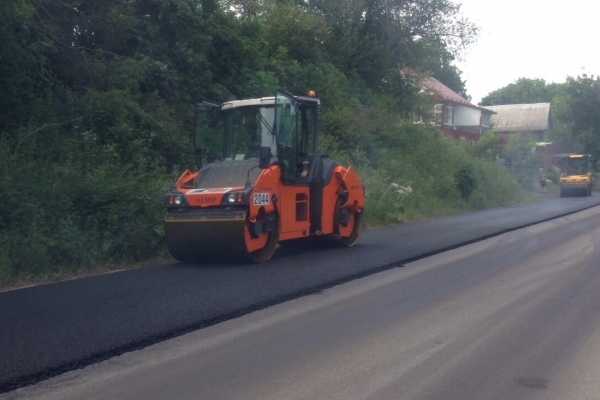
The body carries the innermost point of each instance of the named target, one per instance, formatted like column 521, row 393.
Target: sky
column 536, row 39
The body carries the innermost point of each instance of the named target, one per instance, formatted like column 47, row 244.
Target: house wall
column 461, row 134
column 466, row 116
column 486, row 122
column 539, row 136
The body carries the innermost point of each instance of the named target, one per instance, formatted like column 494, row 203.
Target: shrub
column 553, row 174
column 465, row 182
column 419, row 173
column 522, row 160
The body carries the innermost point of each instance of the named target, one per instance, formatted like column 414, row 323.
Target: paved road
column 50, row 329
column 516, row 316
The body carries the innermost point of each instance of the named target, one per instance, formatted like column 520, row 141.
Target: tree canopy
column 574, row 105
column 97, row 100
column 577, row 112
column 522, row 91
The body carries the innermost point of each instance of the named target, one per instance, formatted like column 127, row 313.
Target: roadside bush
column 488, row 146
column 495, row 186
column 522, row 159
column 553, row 174
column 465, row 182
column 90, row 133
column 63, row 218
column 419, row 173
column 387, row 202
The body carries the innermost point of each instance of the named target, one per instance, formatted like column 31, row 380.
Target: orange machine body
column 283, row 198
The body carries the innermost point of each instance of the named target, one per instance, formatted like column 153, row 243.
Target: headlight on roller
column 234, row 198
column 175, row 200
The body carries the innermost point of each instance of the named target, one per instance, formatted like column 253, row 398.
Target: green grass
column 410, row 173
column 418, row 174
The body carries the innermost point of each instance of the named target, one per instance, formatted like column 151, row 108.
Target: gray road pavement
column 51, row 329
column 516, row 316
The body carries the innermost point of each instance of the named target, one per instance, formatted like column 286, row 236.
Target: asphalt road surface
column 516, row 316
column 51, row 329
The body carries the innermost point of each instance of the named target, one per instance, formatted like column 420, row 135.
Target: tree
column 522, row 91
column 98, row 97
column 96, row 110
column 579, row 112
column 377, row 38
column 522, row 159
column 488, row 146
column 434, row 59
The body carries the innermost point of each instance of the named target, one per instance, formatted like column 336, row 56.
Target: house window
column 485, row 121
column 448, row 115
column 422, row 116
column 438, row 114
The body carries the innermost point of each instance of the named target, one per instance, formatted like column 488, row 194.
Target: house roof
column 444, row 94
column 520, row 117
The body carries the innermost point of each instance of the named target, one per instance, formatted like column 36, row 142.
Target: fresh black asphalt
column 50, row 329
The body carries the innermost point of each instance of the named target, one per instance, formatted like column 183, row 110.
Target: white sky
column 536, row 39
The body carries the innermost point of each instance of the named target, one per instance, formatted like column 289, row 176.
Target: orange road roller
column 261, row 181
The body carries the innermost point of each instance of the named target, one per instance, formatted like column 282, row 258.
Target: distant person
column 543, row 182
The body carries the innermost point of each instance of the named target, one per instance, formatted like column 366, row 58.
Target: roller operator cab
column 261, row 181
column 576, row 175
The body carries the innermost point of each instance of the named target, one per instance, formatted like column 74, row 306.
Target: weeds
column 99, row 219
column 418, row 173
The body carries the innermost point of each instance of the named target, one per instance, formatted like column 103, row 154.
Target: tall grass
column 418, row 173
column 66, row 218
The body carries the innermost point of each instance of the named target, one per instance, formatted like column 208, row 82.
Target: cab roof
column 264, row 101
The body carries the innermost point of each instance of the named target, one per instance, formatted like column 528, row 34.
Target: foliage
column 578, row 113
column 522, row 91
column 419, row 173
column 522, row 159
column 488, row 146
column 561, row 121
column 553, row 175
column 97, row 108
column 432, row 57
column 465, row 181
column 574, row 106
column 376, row 39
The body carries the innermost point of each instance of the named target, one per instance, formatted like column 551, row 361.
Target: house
column 526, row 118
column 534, row 119
column 455, row 115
